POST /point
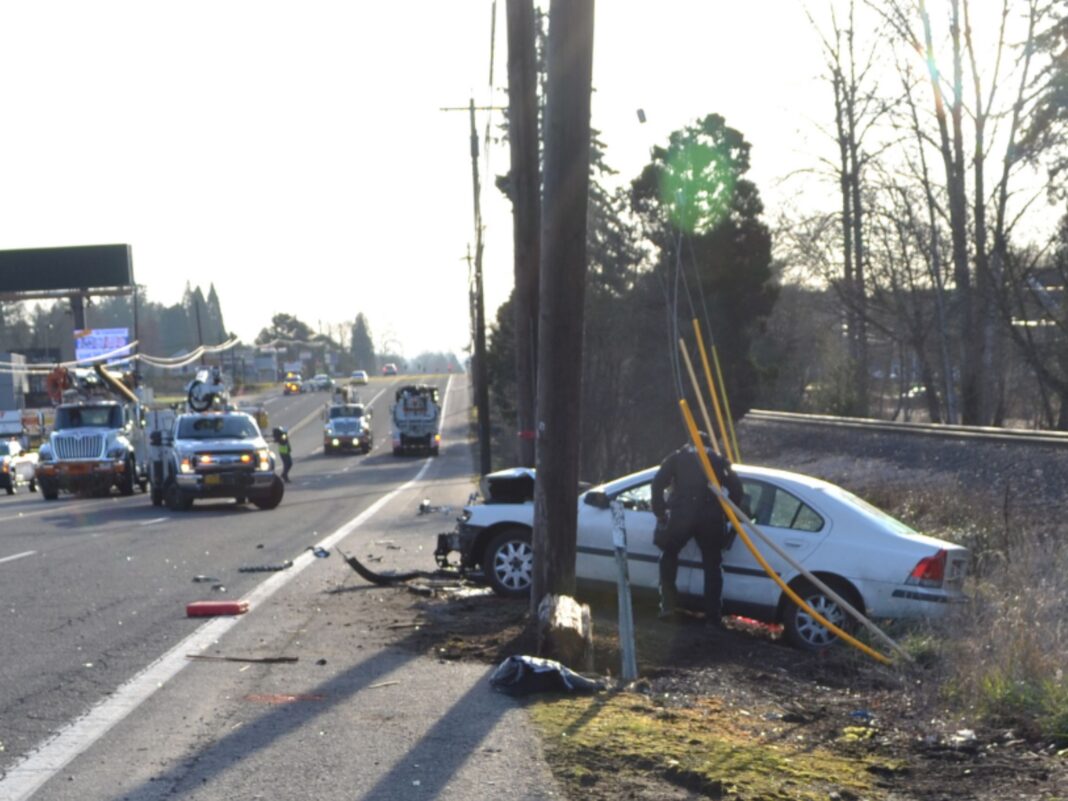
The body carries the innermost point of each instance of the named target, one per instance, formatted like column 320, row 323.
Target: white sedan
column 876, row 562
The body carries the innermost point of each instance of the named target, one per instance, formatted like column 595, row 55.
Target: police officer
column 692, row 511
column 284, row 450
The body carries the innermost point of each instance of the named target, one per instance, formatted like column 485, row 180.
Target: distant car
column 389, row 369
column 876, row 562
column 359, row 377
column 17, row 467
column 293, row 385
column 320, row 382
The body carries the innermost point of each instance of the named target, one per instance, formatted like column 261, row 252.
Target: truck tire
column 126, row 483
column 33, row 484
column 271, row 498
column 12, row 486
column 49, row 490
column 156, row 495
column 434, row 451
column 176, row 500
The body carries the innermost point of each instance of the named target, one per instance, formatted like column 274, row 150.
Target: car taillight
column 929, row 571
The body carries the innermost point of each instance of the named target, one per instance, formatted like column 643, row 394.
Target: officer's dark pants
column 287, row 462
column 680, row 532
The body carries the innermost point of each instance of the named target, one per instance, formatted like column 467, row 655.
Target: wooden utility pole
column 562, row 284
column 481, row 378
column 478, row 367
column 524, row 190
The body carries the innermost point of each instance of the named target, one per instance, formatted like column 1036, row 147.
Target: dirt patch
column 737, row 714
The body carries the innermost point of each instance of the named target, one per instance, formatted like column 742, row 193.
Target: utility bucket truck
column 97, row 440
column 212, row 451
column 416, row 420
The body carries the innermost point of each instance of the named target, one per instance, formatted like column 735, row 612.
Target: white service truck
column 416, row 420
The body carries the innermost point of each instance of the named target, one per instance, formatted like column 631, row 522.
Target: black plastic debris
column 318, row 551
column 203, row 579
column 524, row 675
column 265, row 568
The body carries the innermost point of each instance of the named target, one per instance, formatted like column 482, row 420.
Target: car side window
column 772, row 506
column 638, row 499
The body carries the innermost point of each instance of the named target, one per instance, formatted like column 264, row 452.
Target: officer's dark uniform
column 282, row 438
column 692, row 511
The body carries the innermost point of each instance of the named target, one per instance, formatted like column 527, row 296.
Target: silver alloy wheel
column 511, row 563
column 814, row 634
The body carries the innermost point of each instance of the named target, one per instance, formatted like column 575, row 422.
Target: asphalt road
column 92, row 591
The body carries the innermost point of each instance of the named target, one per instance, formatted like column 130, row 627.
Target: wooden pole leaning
column 732, row 452
column 738, row 527
column 700, row 400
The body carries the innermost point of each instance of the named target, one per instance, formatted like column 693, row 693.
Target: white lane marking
column 154, row 520
column 271, row 400
column 17, row 556
column 28, row 775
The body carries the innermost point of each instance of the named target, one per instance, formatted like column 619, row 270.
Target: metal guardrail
column 987, row 433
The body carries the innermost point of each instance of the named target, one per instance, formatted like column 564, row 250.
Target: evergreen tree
column 362, row 346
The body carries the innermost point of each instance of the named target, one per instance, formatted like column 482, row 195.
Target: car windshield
column 84, row 416
column 345, row 411
column 233, row 426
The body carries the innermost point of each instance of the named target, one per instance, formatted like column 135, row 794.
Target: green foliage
column 286, row 329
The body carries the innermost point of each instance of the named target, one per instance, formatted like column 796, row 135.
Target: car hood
column 220, row 445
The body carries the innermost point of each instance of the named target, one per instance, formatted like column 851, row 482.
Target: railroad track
column 985, row 433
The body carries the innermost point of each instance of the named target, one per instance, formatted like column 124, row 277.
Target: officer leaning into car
column 284, row 450
column 692, row 511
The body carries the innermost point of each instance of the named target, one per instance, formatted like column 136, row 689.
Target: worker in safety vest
column 692, row 511
column 284, row 450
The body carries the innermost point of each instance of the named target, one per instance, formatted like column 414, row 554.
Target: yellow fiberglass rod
column 701, row 401
column 740, row 529
column 726, row 402
column 732, row 452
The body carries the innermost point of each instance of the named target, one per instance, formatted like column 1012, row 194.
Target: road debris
column 266, row 660
column 204, row 579
column 523, row 675
column 427, row 508
column 213, row 608
column 382, row 684
column 265, row 568
column 318, row 551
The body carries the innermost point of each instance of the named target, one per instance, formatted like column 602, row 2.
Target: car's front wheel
column 803, row 630
column 508, row 562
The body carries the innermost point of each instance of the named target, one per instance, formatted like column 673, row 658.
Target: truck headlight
column 263, row 457
column 186, row 465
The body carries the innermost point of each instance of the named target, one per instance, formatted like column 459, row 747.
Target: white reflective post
column 626, row 613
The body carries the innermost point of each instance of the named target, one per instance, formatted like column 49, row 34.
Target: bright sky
column 294, row 153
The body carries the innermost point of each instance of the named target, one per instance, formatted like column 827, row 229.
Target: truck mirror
column 597, row 499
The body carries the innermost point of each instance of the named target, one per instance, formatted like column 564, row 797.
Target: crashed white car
column 871, row 559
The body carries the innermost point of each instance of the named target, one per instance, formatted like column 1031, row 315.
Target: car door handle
column 794, row 543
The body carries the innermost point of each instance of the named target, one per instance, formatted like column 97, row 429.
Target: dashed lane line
column 22, row 555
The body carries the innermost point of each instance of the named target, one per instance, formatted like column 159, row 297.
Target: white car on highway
column 873, row 560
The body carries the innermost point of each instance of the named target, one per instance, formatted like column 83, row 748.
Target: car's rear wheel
column 803, row 630
column 508, row 562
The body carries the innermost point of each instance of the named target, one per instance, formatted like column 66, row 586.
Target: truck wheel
column 273, row 496
column 434, row 451
column 49, row 490
column 396, row 451
column 11, row 487
column 126, row 483
column 156, row 495
column 176, row 500
column 33, row 484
